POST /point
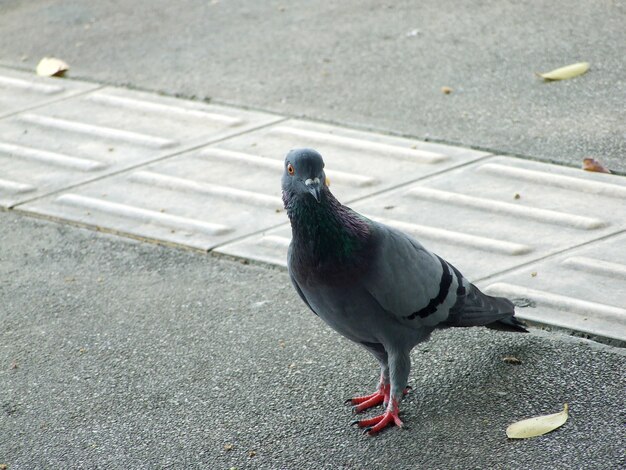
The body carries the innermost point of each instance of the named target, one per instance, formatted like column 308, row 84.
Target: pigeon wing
column 408, row 281
column 420, row 288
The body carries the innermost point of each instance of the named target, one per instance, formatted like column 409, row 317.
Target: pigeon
column 375, row 285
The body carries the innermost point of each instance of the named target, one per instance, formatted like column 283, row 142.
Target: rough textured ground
column 118, row 354
column 362, row 63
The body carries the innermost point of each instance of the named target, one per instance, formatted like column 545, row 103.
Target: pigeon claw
column 369, row 401
column 368, row 423
column 375, row 400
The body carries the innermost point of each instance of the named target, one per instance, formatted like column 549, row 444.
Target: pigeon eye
column 290, row 169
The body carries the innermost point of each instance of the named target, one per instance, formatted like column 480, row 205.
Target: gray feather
column 404, row 278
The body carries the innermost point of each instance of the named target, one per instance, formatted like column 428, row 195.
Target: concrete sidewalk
column 119, row 354
column 367, row 64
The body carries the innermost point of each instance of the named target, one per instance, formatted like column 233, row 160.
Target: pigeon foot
column 378, row 423
column 366, row 402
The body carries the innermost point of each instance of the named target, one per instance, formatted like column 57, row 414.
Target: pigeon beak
column 314, row 187
column 315, row 191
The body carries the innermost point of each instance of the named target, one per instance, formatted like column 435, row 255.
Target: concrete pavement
column 367, row 64
column 119, row 354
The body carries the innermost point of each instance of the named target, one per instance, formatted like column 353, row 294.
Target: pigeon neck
column 326, row 230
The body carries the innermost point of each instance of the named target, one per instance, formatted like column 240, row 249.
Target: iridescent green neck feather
column 326, row 230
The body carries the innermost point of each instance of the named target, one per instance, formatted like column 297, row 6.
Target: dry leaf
column 537, row 426
column 591, row 164
column 564, row 73
column 51, row 67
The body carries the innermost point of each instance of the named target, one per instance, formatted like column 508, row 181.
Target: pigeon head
column 330, row 230
column 303, row 175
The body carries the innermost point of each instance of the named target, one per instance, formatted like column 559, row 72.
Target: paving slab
column 118, row 354
column 191, row 200
column 83, row 138
column 582, row 290
column 221, row 192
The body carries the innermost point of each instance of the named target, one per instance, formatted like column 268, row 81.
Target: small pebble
column 511, row 360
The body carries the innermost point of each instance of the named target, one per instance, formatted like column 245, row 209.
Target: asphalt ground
column 120, row 354
column 369, row 64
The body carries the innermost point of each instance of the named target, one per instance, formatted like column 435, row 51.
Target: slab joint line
column 53, row 101
column 549, row 255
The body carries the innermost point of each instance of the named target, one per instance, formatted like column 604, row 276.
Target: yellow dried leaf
column 537, row 426
column 50, row 67
column 563, row 73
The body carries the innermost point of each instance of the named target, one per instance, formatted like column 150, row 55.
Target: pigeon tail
column 511, row 324
column 478, row 309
